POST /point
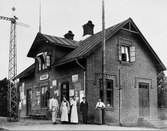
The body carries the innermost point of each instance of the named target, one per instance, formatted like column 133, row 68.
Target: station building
column 65, row 67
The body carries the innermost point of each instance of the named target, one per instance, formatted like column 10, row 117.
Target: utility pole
column 103, row 62
column 103, row 56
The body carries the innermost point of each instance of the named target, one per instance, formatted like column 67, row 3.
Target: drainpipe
column 84, row 75
column 120, row 96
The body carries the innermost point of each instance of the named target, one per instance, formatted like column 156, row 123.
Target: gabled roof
column 91, row 43
column 88, row 45
column 50, row 40
column 26, row 72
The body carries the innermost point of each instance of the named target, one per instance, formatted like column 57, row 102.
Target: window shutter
column 44, row 56
column 119, row 52
column 132, row 54
column 38, row 59
column 48, row 60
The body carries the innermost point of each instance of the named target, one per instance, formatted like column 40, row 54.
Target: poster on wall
column 81, row 94
column 21, row 95
column 22, row 89
column 24, row 100
column 75, row 78
column 71, row 92
column 56, row 92
column 54, row 83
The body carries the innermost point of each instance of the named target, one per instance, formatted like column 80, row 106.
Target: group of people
column 68, row 110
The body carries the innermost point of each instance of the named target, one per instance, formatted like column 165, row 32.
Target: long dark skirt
column 98, row 116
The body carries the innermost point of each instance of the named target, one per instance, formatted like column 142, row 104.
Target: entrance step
column 152, row 122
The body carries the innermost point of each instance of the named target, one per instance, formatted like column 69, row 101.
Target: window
column 126, row 50
column 125, row 53
column 109, row 92
column 44, row 60
column 143, row 85
column 44, row 90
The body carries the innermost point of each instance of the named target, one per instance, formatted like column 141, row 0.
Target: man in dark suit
column 84, row 110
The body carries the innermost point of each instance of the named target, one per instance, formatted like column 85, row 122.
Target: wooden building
column 65, row 67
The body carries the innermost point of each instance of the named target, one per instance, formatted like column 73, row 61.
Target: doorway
column 29, row 97
column 143, row 99
column 65, row 90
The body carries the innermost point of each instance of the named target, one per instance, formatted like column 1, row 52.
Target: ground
column 29, row 124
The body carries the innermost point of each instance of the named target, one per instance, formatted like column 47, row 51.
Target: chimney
column 88, row 28
column 69, row 35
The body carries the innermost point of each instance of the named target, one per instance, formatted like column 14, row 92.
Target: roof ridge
column 59, row 37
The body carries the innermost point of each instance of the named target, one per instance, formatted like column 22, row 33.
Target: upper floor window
column 125, row 53
column 126, row 50
column 44, row 60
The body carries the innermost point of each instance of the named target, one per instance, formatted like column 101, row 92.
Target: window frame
column 131, row 50
column 126, row 51
column 44, row 99
column 112, row 91
column 47, row 60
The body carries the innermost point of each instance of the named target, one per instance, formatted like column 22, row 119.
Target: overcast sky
column 60, row 16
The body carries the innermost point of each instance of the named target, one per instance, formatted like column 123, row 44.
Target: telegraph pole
column 103, row 63
column 103, row 56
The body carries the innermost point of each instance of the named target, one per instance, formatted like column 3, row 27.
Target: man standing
column 84, row 110
column 54, row 107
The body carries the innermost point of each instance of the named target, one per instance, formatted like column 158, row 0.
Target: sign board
column 75, row 78
column 44, row 77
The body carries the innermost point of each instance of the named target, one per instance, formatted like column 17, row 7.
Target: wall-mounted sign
column 75, row 78
column 44, row 77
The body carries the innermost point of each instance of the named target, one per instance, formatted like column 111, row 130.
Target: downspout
column 84, row 76
column 120, row 96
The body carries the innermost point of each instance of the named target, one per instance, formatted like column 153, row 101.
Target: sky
column 60, row 16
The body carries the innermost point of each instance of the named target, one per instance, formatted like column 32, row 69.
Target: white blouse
column 100, row 104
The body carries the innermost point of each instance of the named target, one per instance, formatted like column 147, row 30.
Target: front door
column 65, row 90
column 29, row 96
column 143, row 99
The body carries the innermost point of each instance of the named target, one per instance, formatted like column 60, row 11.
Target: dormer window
column 44, row 60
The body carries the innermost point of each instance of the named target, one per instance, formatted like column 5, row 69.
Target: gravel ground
column 28, row 124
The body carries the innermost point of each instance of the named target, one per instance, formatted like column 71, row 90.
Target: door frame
column 68, row 87
column 27, row 104
column 149, row 82
column 148, row 106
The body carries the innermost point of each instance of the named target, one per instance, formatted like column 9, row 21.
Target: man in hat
column 84, row 110
column 54, row 107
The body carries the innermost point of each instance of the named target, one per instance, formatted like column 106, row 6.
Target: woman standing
column 98, row 112
column 64, row 108
column 74, row 113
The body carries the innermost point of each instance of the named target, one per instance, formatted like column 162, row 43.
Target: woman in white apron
column 74, row 112
column 64, row 108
